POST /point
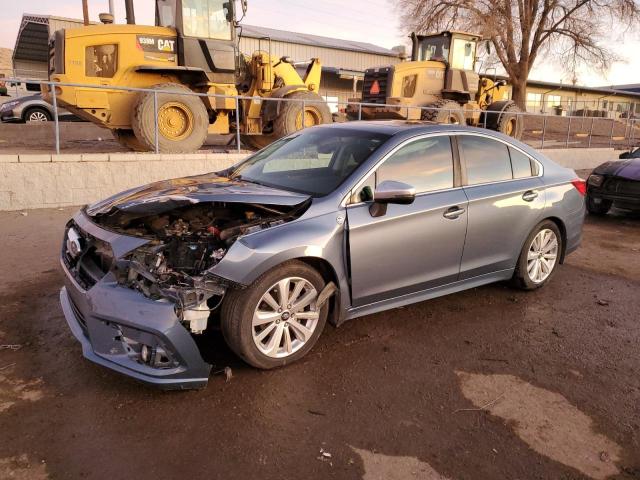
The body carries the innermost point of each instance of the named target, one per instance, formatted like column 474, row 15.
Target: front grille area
column 93, row 261
column 383, row 78
column 622, row 186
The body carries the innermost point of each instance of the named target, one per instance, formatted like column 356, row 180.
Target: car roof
column 412, row 127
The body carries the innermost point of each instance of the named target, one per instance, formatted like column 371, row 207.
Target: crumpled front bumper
column 111, row 321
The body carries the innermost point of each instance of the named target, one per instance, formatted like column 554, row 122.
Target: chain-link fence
column 538, row 130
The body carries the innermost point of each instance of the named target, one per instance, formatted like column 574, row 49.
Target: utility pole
column 85, row 12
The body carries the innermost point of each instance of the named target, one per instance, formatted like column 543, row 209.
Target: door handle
column 529, row 195
column 453, row 213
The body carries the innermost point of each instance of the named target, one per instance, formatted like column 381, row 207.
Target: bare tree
column 569, row 32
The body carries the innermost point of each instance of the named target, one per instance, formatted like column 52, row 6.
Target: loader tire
column 183, row 120
column 290, row 118
column 503, row 117
column 444, row 111
column 128, row 139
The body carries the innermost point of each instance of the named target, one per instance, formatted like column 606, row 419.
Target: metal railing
column 539, row 131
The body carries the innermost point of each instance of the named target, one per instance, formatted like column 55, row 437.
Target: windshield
column 434, row 48
column 314, row 161
column 207, row 19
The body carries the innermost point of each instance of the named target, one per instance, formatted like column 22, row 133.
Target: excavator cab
column 456, row 49
column 206, row 37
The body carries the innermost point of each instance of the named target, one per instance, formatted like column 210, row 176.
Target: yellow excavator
column 193, row 48
column 441, row 77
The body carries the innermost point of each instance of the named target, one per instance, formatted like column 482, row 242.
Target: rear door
column 412, row 247
column 506, row 200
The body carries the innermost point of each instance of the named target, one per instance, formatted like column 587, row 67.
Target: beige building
column 562, row 99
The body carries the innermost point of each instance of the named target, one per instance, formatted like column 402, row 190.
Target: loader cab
column 456, row 49
column 206, row 35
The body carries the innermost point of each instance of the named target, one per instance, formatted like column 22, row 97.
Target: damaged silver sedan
column 328, row 224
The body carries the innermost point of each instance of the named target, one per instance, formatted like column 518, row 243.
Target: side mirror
column 388, row 192
column 244, row 6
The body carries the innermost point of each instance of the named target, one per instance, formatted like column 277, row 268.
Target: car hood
column 166, row 195
column 629, row 169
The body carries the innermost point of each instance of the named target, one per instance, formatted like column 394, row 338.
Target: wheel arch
column 563, row 234
column 324, row 268
column 30, row 108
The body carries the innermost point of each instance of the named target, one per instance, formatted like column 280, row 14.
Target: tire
column 238, row 310
column 128, row 139
column 522, row 278
column 503, row 117
column 449, row 112
column 37, row 114
column 289, row 118
column 191, row 120
column 599, row 209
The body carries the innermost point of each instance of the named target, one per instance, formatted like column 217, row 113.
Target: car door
column 506, row 200
column 411, row 247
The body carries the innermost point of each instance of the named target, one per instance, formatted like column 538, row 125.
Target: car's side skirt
column 423, row 295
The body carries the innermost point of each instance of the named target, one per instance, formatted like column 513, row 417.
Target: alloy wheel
column 37, row 117
column 286, row 317
column 542, row 255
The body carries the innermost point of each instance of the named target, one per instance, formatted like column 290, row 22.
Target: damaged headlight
column 595, row 180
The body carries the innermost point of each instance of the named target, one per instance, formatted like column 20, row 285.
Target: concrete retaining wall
column 581, row 158
column 44, row 181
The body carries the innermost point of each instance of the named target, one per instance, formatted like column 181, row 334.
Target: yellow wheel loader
column 441, row 76
column 192, row 49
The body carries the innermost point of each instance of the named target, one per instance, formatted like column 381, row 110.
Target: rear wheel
column 37, row 114
column 183, row 120
column 539, row 257
column 291, row 118
column 444, row 111
column 128, row 139
column 598, row 206
column 276, row 320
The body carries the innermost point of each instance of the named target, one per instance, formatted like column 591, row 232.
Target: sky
column 372, row 21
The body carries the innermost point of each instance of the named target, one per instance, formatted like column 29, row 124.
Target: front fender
column 317, row 237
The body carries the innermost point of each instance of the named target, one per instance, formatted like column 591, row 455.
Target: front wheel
column 276, row 320
column 539, row 257
column 292, row 118
column 504, row 117
column 37, row 115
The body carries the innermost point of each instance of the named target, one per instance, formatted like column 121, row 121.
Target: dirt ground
column 491, row 383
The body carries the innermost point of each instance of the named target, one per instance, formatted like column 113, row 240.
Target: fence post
column 237, row 125
column 613, row 124
column 591, row 131
column 544, row 130
column 55, row 117
column 155, row 122
column 360, row 111
column 568, row 133
column 304, row 108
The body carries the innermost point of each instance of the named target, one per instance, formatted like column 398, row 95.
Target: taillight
column 580, row 185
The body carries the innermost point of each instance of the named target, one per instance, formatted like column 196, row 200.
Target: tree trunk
column 519, row 92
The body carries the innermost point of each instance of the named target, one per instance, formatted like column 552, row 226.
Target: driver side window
column 425, row 164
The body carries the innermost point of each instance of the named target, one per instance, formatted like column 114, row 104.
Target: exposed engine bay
column 185, row 243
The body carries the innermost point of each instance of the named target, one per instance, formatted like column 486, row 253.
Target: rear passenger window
column 425, row 164
column 521, row 164
column 487, row 160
